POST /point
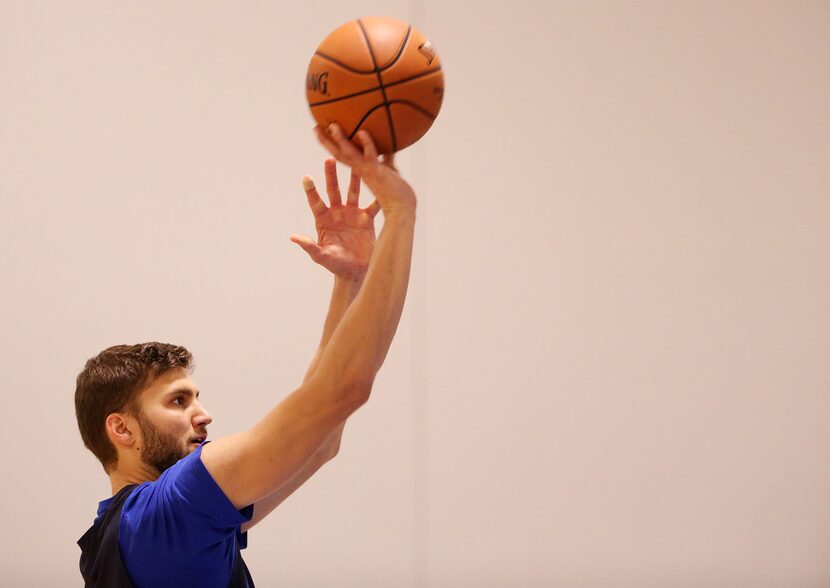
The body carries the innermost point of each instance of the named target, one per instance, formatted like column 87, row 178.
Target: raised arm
column 344, row 244
column 251, row 465
column 342, row 296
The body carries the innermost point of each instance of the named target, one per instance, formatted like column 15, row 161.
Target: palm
column 345, row 232
column 346, row 238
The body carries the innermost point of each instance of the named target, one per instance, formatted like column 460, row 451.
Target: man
column 181, row 506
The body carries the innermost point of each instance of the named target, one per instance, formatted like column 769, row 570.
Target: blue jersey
column 181, row 529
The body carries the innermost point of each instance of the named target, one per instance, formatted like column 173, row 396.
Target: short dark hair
column 111, row 381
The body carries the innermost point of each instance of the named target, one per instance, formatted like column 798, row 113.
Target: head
column 137, row 404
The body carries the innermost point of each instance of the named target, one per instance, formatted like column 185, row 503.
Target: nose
column 202, row 418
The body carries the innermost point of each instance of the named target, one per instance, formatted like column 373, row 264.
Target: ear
column 122, row 429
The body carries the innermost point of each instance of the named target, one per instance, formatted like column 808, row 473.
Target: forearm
column 359, row 344
column 343, row 294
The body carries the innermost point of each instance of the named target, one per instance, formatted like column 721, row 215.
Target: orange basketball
column 379, row 74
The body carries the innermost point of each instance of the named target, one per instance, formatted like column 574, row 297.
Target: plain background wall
column 612, row 368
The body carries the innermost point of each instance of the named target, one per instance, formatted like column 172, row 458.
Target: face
column 172, row 420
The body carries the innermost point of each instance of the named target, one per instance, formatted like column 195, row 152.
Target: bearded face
column 161, row 450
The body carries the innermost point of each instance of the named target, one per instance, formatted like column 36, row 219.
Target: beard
column 161, row 450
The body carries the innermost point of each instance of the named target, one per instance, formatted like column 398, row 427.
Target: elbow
column 359, row 391
column 332, row 447
column 364, row 391
column 347, row 391
column 334, row 450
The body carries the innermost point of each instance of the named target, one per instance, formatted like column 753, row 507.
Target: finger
column 353, row 196
column 346, row 150
column 389, row 159
column 373, row 209
column 369, row 149
column 332, row 185
column 326, row 142
column 318, row 207
column 307, row 244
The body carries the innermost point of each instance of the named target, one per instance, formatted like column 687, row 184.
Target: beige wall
column 612, row 368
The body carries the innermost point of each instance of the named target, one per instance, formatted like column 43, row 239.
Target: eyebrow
column 186, row 391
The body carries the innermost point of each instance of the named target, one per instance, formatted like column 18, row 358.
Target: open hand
column 345, row 232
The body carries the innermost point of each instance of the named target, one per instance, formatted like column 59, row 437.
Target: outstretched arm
column 347, row 257
column 253, row 464
column 343, row 294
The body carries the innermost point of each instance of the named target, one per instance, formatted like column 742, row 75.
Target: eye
column 179, row 400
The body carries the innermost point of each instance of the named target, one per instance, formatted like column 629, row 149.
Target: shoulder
column 179, row 523
column 185, row 498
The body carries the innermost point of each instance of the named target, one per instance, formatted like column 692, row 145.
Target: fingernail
column 308, row 183
column 333, row 128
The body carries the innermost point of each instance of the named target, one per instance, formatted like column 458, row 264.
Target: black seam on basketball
column 410, row 78
column 324, row 102
column 376, row 88
column 363, row 120
column 382, row 89
column 400, row 51
column 344, row 66
column 420, row 109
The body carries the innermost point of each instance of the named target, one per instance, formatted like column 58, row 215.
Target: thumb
column 307, row 244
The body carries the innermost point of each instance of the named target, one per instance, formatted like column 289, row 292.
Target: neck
column 131, row 474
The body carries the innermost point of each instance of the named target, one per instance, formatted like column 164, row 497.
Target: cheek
column 176, row 427
column 184, row 431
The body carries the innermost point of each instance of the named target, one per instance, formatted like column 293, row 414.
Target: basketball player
column 181, row 505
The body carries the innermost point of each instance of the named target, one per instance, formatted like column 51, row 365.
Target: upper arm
column 264, row 507
column 253, row 464
column 176, row 524
column 327, row 451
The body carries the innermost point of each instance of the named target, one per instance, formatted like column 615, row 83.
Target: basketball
column 379, row 74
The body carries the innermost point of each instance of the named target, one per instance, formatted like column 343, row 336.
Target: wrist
column 400, row 214
column 349, row 285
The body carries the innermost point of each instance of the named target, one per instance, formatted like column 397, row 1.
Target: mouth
column 198, row 440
